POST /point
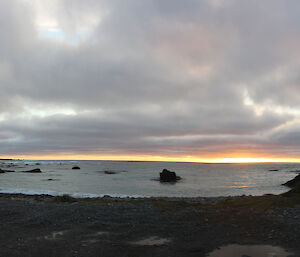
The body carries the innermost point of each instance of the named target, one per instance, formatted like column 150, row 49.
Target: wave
column 56, row 193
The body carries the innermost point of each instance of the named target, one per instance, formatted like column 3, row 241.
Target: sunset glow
column 153, row 158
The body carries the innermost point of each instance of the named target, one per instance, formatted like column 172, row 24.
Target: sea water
column 139, row 179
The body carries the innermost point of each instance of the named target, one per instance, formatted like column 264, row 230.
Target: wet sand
column 62, row 226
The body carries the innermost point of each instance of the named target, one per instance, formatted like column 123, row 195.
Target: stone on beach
column 168, row 176
column 76, row 168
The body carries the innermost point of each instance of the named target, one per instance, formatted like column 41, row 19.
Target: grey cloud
column 148, row 71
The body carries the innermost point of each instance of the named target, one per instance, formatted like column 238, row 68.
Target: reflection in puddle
column 153, row 240
column 249, row 251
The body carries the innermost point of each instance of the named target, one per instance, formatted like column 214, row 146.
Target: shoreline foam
column 10, row 191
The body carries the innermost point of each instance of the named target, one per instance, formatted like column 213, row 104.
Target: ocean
column 139, row 179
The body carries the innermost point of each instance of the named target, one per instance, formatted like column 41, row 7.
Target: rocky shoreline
column 43, row 225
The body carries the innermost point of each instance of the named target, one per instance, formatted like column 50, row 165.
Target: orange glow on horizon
column 153, row 158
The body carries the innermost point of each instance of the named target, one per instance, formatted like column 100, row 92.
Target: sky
column 197, row 80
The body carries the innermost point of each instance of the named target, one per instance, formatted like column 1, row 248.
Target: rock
column 294, row 191
column 292, row 183
column 8, row 171
column 273, row 170
column 37, row 163
column 76, row 168
column 33, row 171
column 109, row 172
column 50, row 179
column 295, row 171
column 295, row 185
column 2, row 171
column 168, row 176
column 11, row 165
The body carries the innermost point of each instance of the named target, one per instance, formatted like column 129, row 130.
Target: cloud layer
column 204, row 78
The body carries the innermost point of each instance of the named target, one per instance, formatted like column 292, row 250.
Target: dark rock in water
column 11, row 165
column 295, row 171
column 168, row 176
column 50, row 179
column 33, row 171
column 110, row 172
column 76, row 168
column 8, row 171
column 2, row 171
column 292, row 183
column 273, row 170
column 37, row 163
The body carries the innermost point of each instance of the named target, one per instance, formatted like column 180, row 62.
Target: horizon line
column 170, row 161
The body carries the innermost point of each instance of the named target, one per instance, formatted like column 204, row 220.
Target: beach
column 44, row 225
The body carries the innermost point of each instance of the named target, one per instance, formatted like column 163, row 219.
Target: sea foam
column 55, row 193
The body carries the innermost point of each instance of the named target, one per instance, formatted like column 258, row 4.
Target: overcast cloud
column 167, row 78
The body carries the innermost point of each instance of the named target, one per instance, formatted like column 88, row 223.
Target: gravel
column 39, row 226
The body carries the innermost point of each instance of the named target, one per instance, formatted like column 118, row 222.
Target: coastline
column 87, row 198
column 36, row 225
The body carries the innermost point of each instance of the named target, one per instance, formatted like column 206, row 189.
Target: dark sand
column 49, row 226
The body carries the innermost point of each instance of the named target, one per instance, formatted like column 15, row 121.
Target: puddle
column 91, row 241
column 99, row 234
column 249, row 251
column 151, row 241
column 102, row 233
column 96, row 237
column 55, row 235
